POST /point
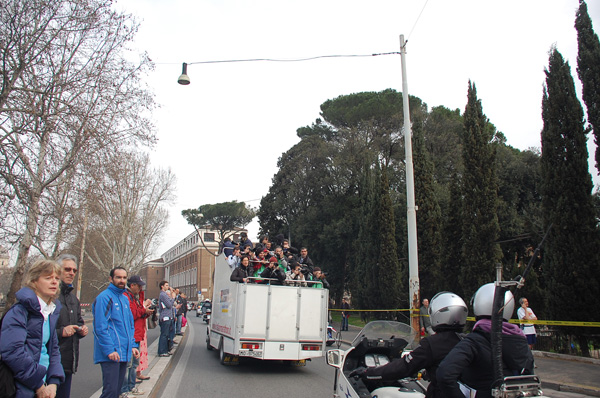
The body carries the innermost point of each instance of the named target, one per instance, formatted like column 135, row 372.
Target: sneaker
column 161, row 355
column 137, row 391
column 124, row 395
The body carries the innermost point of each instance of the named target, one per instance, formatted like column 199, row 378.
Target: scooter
column 377, row 344
column 206, row 316
column 331, row 333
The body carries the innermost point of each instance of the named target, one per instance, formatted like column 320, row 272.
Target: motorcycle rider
column 448, row 314
column 471, row 359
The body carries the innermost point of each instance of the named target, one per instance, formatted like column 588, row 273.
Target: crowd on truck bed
column 275, row 263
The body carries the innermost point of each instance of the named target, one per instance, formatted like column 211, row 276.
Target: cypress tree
column 588, row 69
column 571, row 255
column 429, row 220
column 480, row 228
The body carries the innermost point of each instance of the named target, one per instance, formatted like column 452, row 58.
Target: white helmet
column 483, row 301
column 447, row 309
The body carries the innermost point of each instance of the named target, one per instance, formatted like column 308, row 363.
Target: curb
column 547, row 354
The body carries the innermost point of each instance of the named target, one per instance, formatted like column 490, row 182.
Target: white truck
column 265, row 321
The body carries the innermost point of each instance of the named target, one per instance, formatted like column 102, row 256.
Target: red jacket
column 139, row 314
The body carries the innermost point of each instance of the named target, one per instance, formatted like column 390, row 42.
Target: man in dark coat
column 70, row 326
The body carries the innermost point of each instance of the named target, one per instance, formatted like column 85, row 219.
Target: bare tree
column 127, row 213
column 68, row 92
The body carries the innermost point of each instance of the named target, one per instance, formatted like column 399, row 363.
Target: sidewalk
column 567, row 375
column 157, row 369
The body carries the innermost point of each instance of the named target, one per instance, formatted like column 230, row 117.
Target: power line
column 295, row 59
column 415, row 24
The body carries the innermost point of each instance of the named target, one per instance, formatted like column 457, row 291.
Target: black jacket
column 471, row 362
column 70, row 314
column 275, row 273
column 427, row 355
column 239, row 273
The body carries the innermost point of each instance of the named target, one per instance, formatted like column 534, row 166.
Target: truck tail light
column 250, row 346
column 311, row 347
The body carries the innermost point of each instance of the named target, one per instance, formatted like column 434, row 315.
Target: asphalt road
column 196, row 372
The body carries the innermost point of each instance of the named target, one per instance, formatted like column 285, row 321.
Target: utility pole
column 411, row 208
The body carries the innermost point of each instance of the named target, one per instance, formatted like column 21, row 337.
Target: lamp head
column 184, row 79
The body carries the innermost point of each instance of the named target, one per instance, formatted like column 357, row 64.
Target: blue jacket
column 113, row 325
column 21, row 344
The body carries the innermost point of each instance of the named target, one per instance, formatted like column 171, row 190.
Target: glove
column 358, row 372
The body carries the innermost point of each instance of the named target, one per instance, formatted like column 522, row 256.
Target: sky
column 223, row 134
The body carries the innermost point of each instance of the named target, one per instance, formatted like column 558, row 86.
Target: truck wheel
column 208, row 346
column 227, row 359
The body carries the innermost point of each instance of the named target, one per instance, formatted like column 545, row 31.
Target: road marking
column 177, row 375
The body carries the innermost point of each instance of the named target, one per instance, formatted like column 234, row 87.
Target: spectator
column 166, row 303
column 345, row 314
column 281, row 262
column 319, row 276
column 114, row 332
column 70, row 325
column 244, row 241
column 228, row 246
column 295, row 277
column 470, row 361
column 241, row 273
column 424, row 318
column 173, row 327
column 273, row 271
column 304, row 259
column 526, row 313
column 140, row 311
column 234, row 259
column 181, row 313
column 28, row 341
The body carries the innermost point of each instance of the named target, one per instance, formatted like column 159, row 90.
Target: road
column 196, row 372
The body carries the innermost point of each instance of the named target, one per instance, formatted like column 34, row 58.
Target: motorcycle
column 377, row 344
column 331, row 333
column 206, row 316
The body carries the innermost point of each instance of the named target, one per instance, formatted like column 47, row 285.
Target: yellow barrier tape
column 472, row 319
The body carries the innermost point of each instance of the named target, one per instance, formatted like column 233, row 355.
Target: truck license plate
column 253, row 354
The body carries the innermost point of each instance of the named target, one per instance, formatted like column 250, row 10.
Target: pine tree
column 429, row 220
column 588, row 69
column 480, row 228
column 571, row 252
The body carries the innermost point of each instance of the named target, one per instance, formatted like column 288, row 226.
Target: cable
column 294, row 59
column 415, row 24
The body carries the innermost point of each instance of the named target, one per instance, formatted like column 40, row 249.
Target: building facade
column 189, row 265
column 153, row 272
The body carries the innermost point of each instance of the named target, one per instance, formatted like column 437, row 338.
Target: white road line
column 177, row 375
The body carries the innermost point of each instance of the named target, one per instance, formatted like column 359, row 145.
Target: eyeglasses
column 73, row 270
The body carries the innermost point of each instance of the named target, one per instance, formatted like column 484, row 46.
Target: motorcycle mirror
column 334, row 358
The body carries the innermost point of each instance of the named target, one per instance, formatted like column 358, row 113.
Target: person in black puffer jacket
column 70, row 326
column 448, row 314
column 470, row 362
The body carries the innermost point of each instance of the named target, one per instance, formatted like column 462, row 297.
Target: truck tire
column 208, row 346
column 227, row 359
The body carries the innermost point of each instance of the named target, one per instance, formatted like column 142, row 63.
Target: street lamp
column 184, row 78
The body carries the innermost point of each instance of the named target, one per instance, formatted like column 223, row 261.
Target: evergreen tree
column 388, row 273
column 480, row 228
column 453, row 240
column 429, row 218
column 571, row 256
column 588, row 69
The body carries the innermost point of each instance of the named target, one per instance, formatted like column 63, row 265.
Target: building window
column 209, row 237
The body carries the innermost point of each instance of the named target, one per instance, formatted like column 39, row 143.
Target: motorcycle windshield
column 386, row 330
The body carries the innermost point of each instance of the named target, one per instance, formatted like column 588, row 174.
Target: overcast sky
column 223, row 134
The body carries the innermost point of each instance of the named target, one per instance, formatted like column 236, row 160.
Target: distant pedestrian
column 165, row 317
column 424, row 319
column 70, row 327
column 28, row 342
column 345, row 314
column 526, row 313
column 114, row 332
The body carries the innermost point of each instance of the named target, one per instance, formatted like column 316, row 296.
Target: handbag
column 7, row 381
column 183, row 320
column 152, row 321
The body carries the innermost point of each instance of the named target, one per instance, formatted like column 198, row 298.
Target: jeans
column 171, row 333
column 344, row 323
column 113, row 374
column 178, row 326
column 163, row 340
column 130, row 375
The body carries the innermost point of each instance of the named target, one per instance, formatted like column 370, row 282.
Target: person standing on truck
column 273, row 271
column 448, row 314
column 305, row 260
column 240, row 274
column 319, row 276
column 234, row 259
column 244, row 241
